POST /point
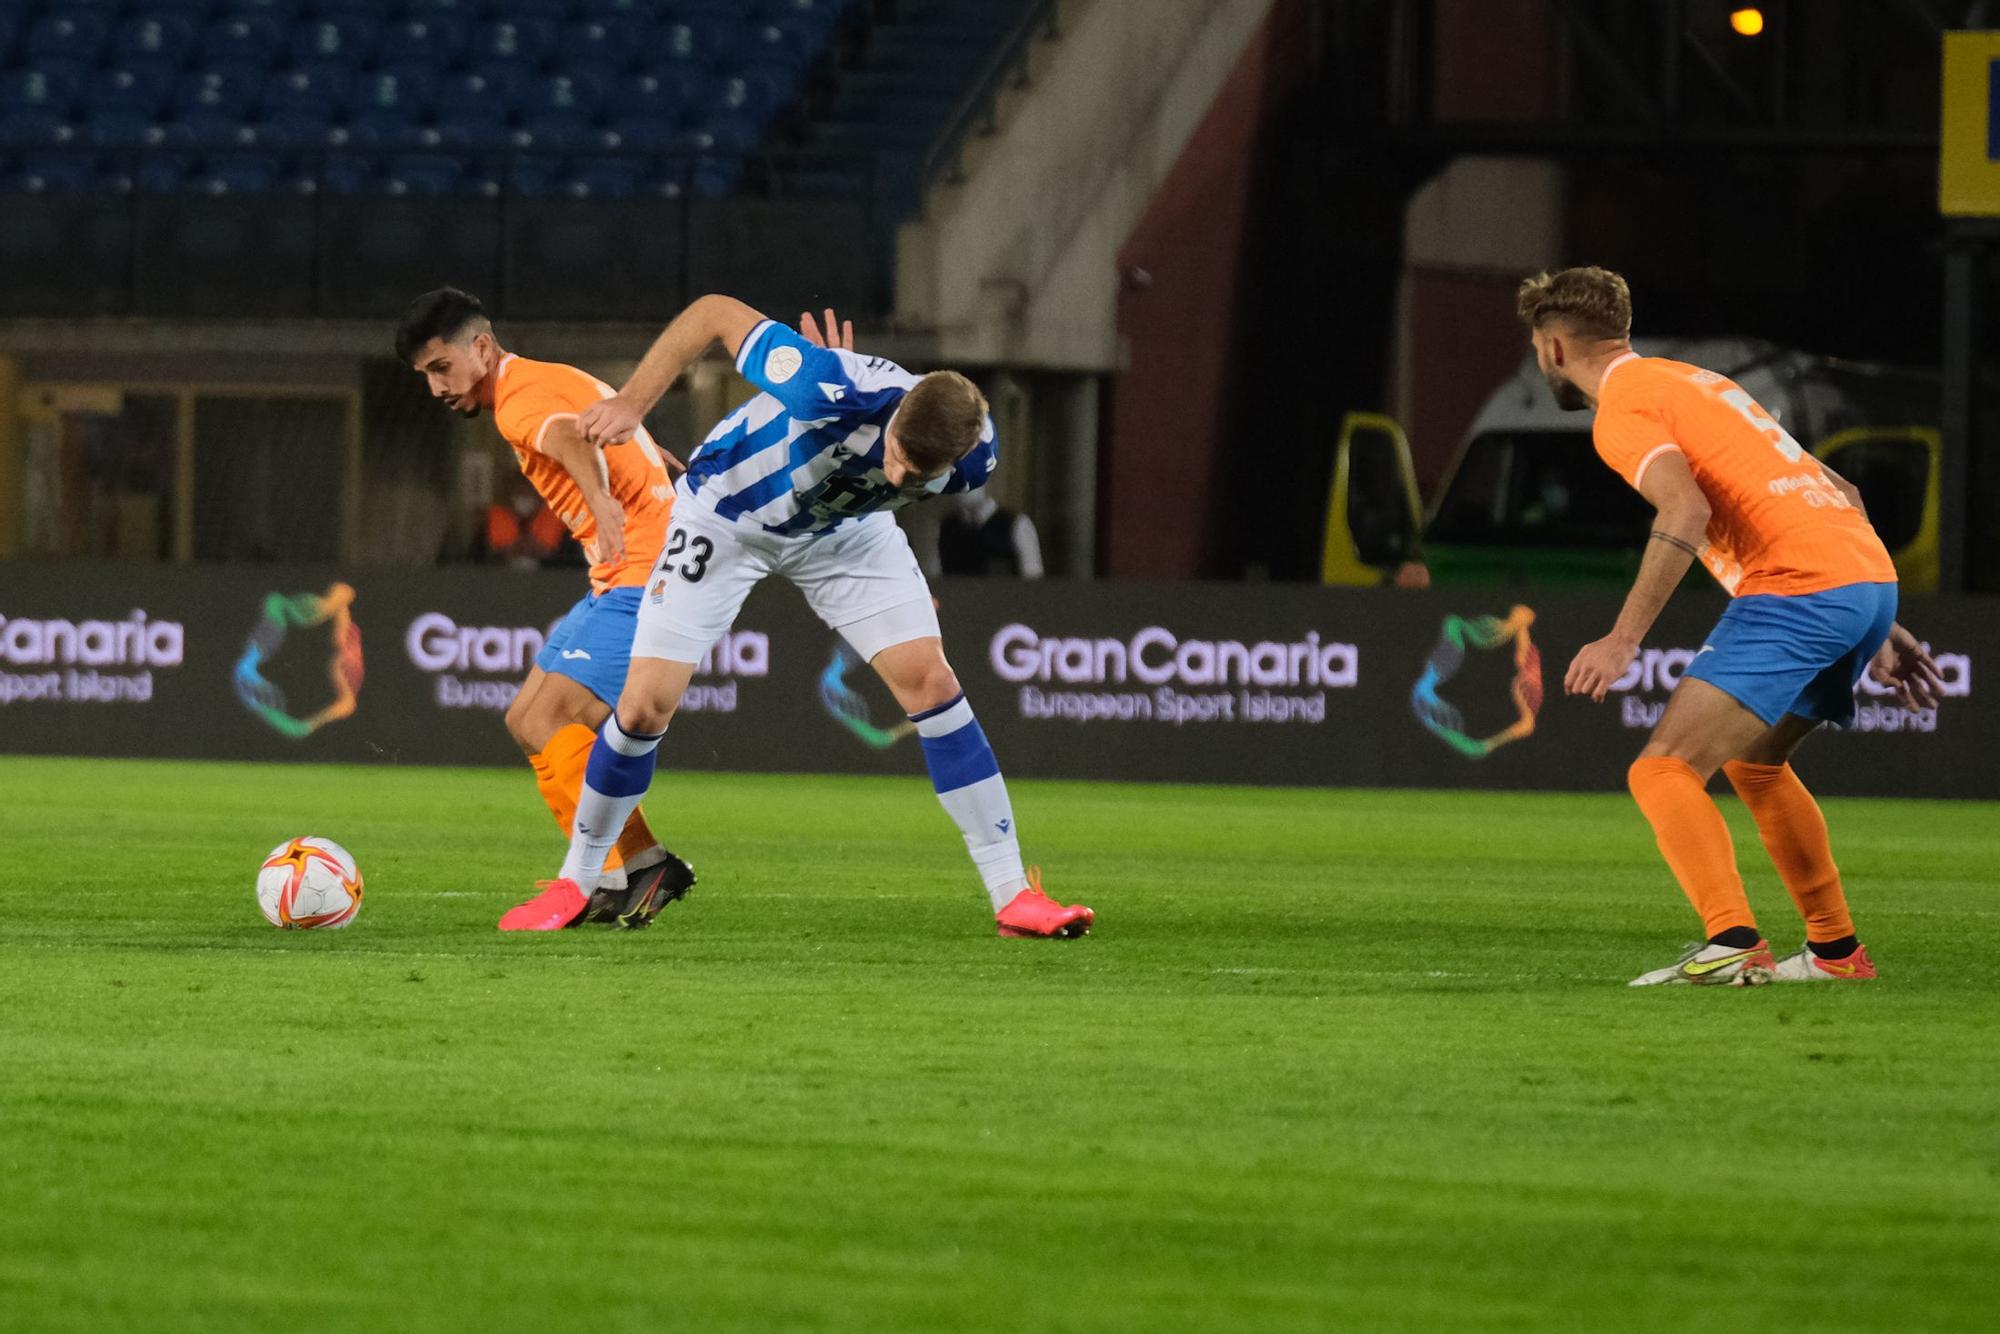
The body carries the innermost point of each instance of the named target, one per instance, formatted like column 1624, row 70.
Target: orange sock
column 559, row 771
column 1794, row 833
column 1694, row 839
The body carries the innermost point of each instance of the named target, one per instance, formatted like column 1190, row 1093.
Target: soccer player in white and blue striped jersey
column 801, row 481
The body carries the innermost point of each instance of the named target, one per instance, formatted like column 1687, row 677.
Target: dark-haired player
column 615, row 497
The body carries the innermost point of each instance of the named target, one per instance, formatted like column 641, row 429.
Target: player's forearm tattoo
column 1671, row 540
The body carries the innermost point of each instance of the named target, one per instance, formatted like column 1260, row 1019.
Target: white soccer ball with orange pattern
column 307, row 884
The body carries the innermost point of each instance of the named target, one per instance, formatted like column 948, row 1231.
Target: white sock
column 971, row 790
column 617, row 776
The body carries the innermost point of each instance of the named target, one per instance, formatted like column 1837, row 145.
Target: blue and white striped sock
column 618, row 774
column 969, row 786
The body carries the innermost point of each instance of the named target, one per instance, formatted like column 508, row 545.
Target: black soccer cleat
column 647, row 891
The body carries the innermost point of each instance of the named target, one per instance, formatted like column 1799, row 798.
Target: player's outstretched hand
column 1908, row 669
column 609, row 421
column 1597, row 664
column 810, row 330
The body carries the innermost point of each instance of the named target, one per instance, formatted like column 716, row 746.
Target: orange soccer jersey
column 527, row 396
column 1777, row 524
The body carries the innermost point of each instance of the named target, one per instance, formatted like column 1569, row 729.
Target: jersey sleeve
column 971, row 472
column 1630, row 438
column 524, row 412
column 814, row 383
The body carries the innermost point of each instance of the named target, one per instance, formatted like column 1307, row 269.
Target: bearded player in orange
column 1813, row 606
column 616, row 501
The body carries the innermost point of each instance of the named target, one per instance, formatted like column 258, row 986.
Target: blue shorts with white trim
column 1802, row 653
column 592, row 645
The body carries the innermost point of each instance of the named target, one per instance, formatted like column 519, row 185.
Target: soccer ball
column 307, row 883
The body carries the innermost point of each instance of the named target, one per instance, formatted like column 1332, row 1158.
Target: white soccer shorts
column 861, row 578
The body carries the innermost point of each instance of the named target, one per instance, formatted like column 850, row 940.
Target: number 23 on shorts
column 686, row 557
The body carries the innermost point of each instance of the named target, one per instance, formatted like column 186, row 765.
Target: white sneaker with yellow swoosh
column 1714, row 966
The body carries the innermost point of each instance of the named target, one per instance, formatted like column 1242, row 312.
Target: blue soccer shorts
column 1800, row 653
column 592, row 645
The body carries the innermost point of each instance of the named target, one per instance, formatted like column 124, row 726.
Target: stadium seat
column 607, row 43
column 241, row 41
column 650, row 133
column 143, row 91
column 436, row 40
column 153, row 39
column 159, row 173
column 76, row 37
column 422, row 174
column 390, row 104
column 56, row 173
column 472, row 113
column 238, row 174
column 335, row 41
column 533, row 175
column 521, row 43
column 671, row 88
column 346, row 173
column 35, row 125
column 121, row 129
column 606, row 178
column 309, row 91
column 44, row 89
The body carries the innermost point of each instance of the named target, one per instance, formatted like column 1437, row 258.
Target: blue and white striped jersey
column 806, row 454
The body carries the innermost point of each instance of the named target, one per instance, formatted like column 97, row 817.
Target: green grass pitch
column 1355, row 1060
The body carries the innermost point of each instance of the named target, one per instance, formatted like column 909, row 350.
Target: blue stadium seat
column 142, row 91
column 8, row 22
column 436, row 40
column 533, row 175
column 35, row 125
column 77, row 36
column 652, row 133
column 217, row 93
column 771, row 44
column 674, row 87
column 466, row 10
column 239, row 174
column 161, row 173
column 753, row 96
column 422, row 174
column 335, row 41
column 608, row 43
column 813, row 18
column 472, row 113
column 242, row 40
column 622, row 8
column 161, row 39
column 391, row 103
column 56, row 173
column 192, row 10
column 521, row 43
column 123, row 129
column 45, row 89
column 607, row 178
column 296, row 128
column 309, row 91
column 282, row 10
column 346, row 173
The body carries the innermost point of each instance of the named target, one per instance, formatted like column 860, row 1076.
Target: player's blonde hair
column 1589, row 301
column 940, row 420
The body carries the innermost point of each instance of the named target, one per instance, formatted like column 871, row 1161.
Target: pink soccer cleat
column 555, row 907
column 1034, row 914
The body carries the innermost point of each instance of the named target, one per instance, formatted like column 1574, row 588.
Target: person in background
column 521, row 530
